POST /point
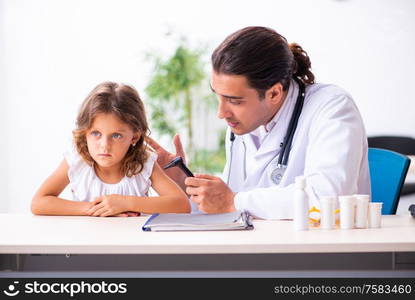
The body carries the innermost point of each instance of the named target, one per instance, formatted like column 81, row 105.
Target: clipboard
column 237, row 220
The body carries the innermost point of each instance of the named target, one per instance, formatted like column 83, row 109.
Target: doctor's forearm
column 267, row 203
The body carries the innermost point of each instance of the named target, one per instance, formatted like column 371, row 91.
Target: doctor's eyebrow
column 226, row 96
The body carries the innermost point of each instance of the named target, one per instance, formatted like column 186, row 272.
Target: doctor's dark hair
column 264, row 57
column 124, row 102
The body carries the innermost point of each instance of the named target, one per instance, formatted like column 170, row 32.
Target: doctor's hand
column 164, row 157
column 210, row 193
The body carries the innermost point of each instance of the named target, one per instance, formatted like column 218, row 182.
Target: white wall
column 52, row 53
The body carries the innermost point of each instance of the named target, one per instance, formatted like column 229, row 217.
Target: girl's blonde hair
column 124, row 102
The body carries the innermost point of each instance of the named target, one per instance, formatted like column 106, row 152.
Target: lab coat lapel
column 251, row 149
column 272, row 142
column 238, row 168
column 259, row 160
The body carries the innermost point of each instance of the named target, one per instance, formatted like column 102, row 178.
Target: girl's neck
column 109, row 175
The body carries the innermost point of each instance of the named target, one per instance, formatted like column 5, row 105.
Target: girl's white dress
column 86, row 185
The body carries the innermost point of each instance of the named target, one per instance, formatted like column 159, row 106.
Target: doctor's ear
column 275, row 93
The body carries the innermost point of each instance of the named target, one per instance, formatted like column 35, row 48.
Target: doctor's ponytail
column 264, row 57
column 302, row 66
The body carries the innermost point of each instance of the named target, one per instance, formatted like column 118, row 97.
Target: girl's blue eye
column 117, row 136
column 95, row 133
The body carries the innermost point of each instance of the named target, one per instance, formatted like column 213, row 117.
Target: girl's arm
column 171, row 199
column 46, row 201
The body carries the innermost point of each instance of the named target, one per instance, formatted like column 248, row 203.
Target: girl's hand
column 108, row 205
column 133, row 214
column 128, row 214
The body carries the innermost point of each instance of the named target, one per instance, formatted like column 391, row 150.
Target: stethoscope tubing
column 285, row 151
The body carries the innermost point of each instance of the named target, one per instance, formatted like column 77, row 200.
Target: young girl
column 111, row 169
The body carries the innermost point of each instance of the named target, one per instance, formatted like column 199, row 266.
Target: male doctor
column 281, row 125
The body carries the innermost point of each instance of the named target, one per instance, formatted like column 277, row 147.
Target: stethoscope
column 278, row 172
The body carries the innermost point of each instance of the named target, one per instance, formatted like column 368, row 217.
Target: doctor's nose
column 223, row 112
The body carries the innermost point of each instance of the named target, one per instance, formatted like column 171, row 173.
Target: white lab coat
column 329, row 148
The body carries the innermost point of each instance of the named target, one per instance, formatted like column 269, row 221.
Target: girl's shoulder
column 77, row 165
column 141, row 182
column 148, row 165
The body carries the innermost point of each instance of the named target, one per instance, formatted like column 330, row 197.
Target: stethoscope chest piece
column 277, row 173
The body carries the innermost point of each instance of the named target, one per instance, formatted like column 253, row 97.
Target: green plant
column 171, row 88
column 210, row 160
column 176, row 87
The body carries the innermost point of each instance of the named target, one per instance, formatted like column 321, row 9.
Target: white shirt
column 86, row 185
column 261, row 132
column 329, row 148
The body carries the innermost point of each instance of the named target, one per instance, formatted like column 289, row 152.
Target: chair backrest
column 401, row 144
column 387, row 174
